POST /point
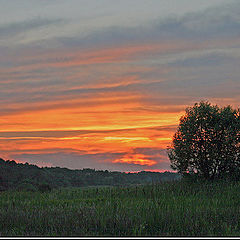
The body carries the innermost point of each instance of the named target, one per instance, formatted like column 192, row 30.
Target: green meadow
column 178, row 208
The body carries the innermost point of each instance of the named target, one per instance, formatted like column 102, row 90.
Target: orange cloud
column 157, row 170
column 138, row 159
column 74, row 57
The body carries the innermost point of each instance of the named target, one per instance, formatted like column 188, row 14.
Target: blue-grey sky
column 27, row 21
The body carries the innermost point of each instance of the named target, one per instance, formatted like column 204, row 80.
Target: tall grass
column 168, row 209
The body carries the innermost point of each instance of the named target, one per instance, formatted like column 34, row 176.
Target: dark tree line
column 33, row 178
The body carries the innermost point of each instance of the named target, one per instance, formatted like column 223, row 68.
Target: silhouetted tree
column 207, row 142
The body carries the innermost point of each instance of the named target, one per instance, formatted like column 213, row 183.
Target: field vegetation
column 180, row 208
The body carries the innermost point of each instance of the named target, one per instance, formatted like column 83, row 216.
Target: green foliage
column 167, row 209
column 207, row 142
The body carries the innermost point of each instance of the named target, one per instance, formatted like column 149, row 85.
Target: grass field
column 168, row 209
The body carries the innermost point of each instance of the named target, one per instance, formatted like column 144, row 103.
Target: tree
column 207, row 142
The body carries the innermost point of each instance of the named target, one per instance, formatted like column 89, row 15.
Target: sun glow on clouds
column 138, row 159
column 126, row 139
column 109, row 122
column 105, row 103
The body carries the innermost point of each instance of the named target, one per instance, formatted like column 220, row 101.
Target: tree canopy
column 207, row 142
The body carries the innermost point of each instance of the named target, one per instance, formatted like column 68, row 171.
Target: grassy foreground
column 168, row 209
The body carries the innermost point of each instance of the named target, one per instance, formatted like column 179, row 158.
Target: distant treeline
column 30, row 177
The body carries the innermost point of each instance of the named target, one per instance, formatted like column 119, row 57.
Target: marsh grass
column 167, row 209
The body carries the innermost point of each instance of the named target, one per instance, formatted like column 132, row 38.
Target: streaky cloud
column 15, row 28
column 213, row 59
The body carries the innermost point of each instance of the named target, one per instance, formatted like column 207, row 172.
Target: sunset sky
column 102, row 83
